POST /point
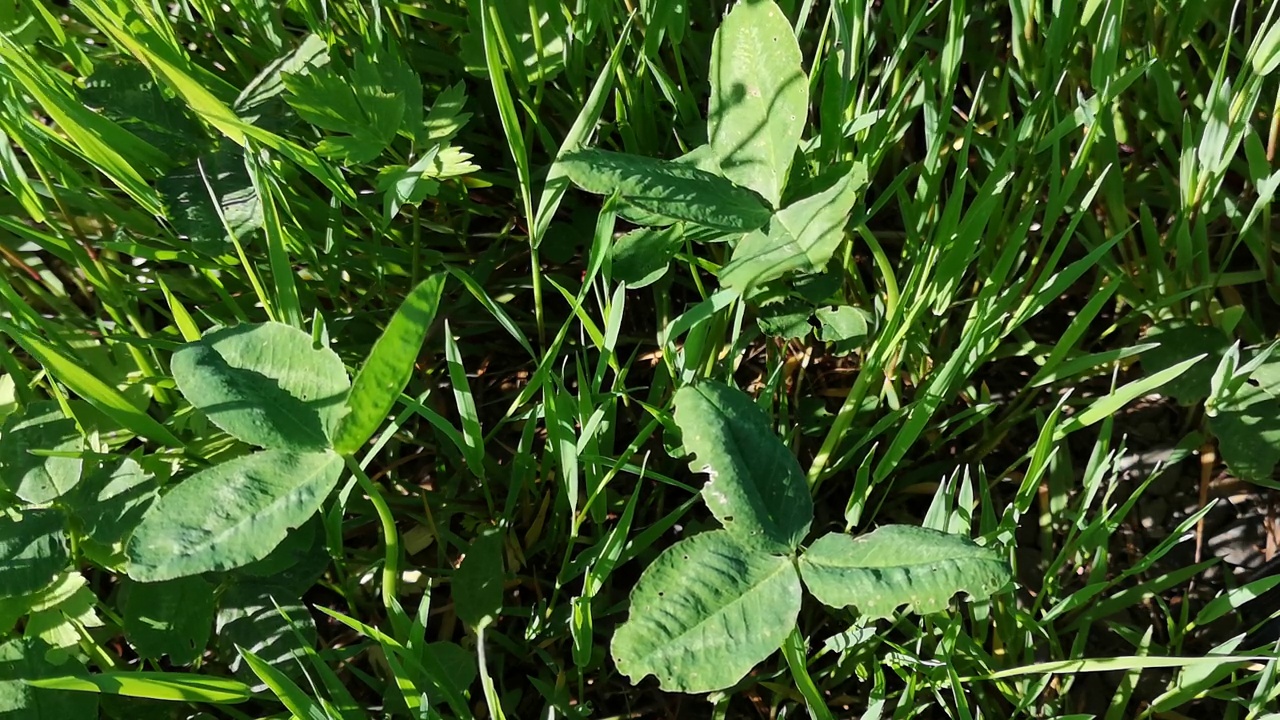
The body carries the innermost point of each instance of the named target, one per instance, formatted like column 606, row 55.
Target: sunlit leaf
column 705, row 612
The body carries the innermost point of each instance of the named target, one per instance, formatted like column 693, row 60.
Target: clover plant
column 712, row 606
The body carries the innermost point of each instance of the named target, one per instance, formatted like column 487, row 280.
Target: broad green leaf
column 900, row 565
column 171, row 618
column 23, row 660
column 249, row 619
column 97, row 393
column 230, row 514
column 759, row 97
column 1179, row 343
column 294, row 565
column 1248, row 430
column 667, row 189
column 264, row 384
column 65, row 586
column 190, row 208
column 705, row 612
column 477, row 584
column 786, row 319
column 37, row 478
column 845, row 326
column 387, row 370
column 756, row 488
column 58, row 626
column 174, row 686
column 33, row 550
column 802, row 237
column 642, row 256
column 111, row 500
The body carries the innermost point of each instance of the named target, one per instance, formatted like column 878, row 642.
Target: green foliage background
column 986, row 242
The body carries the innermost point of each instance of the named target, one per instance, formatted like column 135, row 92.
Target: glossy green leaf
column 667, row 189
column 477, row 585
column 756, row 489
column 230, row 514
column 264, row 384
column 173, row 686
column 900, row 565
column 642, row 256
column 387, row 370
column 33, row 550
column 22, row 660
column 759, row 97
column 801, row 237
column 705, row 612
column 172, row 618
column 37, row 478
column 97, row 393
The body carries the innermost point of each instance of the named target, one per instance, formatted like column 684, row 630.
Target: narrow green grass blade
column 472, row 434
column 176, row 686
column 557, row 182
column 506, row 108
column 98, row 393
column 387, row 369
column 1107, row 406
column 292, row 696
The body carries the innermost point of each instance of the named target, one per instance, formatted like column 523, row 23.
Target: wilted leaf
column 667, row 189
column 705, row 612
column 759, row 97
column 756, row 487
column 171, row 618
column 900, row 565
column 39, row 478
column 264, row 384
column 230, row 514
